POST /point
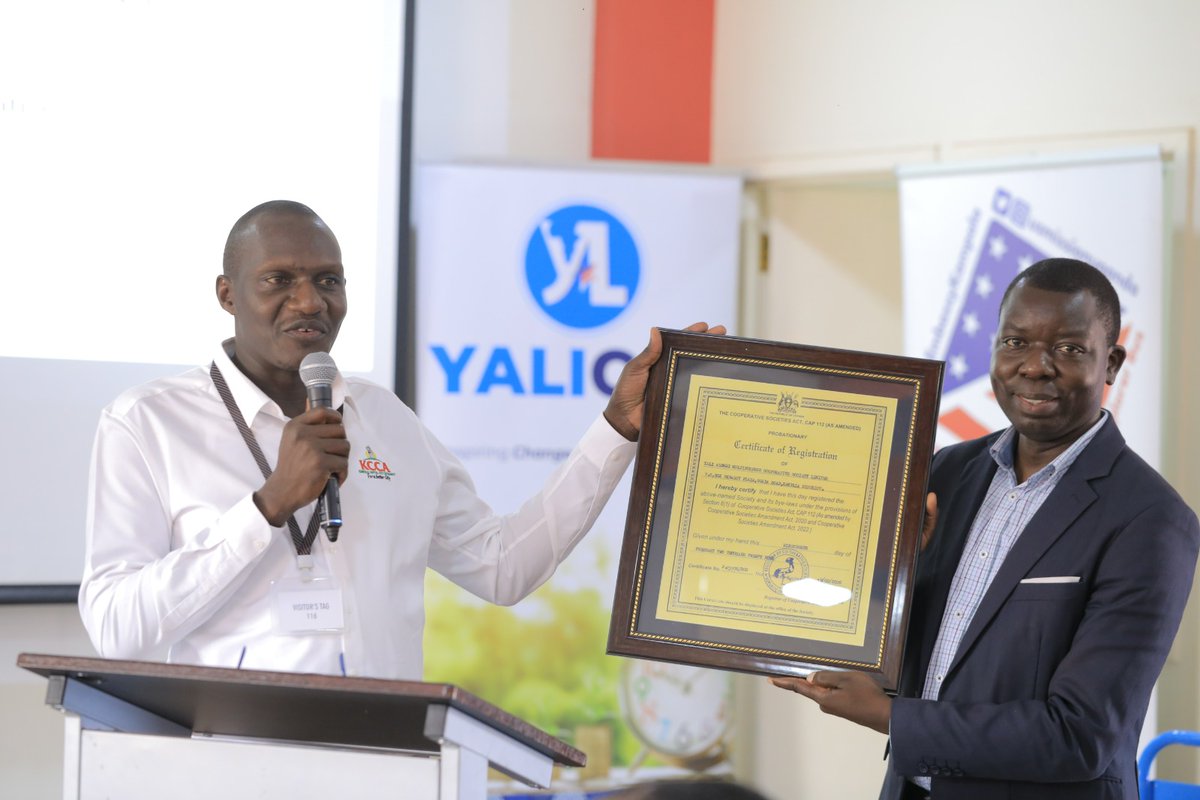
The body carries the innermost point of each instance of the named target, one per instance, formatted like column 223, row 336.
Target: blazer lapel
column 1073, row 494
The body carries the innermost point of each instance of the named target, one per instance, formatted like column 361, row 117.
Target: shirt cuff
column 246, row 531
column 602, row 441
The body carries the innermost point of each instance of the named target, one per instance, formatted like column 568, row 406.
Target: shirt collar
column 250, row 399
column 1002, row 449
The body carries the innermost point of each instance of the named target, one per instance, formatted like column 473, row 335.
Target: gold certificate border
column 660, row 446
column 850, row 624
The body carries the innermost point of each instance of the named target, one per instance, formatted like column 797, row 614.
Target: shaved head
column 283, row 282
column 247, row 227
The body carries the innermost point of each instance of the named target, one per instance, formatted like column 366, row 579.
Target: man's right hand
column 929, row 525
column 313, row 447
column 626, row 404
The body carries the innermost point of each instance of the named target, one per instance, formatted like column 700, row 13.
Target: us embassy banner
column 535, row 286
column 968, row 230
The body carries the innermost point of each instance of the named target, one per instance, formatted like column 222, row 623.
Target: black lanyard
column 303, row 543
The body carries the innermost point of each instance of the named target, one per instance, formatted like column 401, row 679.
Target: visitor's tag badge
column 312, row 605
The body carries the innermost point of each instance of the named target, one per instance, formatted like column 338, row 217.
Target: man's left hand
column 850, row 695
column 625, row 407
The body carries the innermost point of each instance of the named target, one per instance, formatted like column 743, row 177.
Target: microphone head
column 318, row 369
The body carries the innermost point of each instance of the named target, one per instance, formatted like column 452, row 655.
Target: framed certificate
column 776, row 510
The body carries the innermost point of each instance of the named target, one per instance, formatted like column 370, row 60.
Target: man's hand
column 850, row 695
column 313, row 447
column 930, row 523
column 624, row 411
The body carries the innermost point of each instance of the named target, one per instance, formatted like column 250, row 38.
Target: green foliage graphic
column 543, row 661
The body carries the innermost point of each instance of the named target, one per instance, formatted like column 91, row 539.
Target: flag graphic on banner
column 968, row 352
column 968, row 232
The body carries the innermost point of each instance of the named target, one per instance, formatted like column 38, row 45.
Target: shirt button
column 983, row 553
column 958, row 615
column 938, row 678
column 260, row 546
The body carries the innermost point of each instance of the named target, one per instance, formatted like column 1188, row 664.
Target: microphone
column 317, row 371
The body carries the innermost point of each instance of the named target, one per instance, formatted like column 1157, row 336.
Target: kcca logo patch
column 374, row 467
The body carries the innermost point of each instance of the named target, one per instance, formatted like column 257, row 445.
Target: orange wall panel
column 652, row 80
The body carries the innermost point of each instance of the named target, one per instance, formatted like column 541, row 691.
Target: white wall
column 803, row 77
column 503, row 80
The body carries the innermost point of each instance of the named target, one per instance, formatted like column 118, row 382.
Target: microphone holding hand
column 318, row 371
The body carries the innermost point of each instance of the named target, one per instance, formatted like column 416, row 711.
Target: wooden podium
column 137, row 729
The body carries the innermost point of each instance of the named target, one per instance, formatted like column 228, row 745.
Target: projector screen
column 132, row 135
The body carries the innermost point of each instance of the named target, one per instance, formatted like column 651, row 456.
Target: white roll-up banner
column 967, row 230
column 535, row 287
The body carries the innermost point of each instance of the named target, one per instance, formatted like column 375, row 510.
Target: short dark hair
column 1069, row 275
column 247, row 219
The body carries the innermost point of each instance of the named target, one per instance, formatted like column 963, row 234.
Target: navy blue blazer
column 1049, row 687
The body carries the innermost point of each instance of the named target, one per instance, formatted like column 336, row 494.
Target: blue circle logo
column 582, row 266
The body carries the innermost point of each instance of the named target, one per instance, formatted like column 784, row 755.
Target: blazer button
column 924, row 769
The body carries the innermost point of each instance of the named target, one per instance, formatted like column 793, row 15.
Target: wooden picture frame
column 764, row 465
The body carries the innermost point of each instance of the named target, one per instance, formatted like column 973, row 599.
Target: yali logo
column 582, row 266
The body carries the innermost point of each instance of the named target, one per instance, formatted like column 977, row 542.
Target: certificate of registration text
column 776, row 483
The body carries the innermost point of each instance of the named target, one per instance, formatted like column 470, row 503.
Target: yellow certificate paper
column 775, row 484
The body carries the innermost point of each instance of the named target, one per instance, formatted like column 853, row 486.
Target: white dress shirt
column 180, row 562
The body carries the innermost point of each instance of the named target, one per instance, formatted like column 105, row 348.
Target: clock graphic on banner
column 681, row 714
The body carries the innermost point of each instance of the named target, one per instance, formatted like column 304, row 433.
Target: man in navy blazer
column 1052, row 581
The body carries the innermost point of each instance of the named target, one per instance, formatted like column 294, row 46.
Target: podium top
column 291, row 706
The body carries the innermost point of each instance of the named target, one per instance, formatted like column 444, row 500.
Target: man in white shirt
column 193, row 556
